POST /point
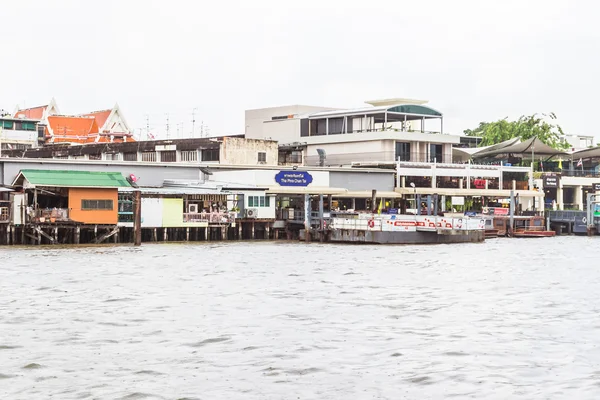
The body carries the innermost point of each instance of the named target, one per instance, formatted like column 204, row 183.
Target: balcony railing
column 212, row 218
column 49, row 215
column 579, row 173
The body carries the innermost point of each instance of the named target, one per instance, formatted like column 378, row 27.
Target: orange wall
column 93, row 216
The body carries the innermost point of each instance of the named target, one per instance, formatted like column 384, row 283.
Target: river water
column 281, row 320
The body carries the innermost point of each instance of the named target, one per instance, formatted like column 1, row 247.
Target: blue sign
column 470, row 214
column 392, row 211
column 293, row 178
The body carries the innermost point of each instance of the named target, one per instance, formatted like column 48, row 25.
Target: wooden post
column 77, row 234
column 55, row 235
column 137, row 218
column 116, row 236
column 224, row 233
column 187, row 234
column 206, row 233
column 154, row 235
column 165, row 234
column 252, row 233
column 240, row 231
column 267, row 231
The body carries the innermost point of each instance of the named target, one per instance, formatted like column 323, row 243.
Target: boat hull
column 419, row 237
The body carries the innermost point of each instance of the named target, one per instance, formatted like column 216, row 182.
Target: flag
column 380, row 207
column 150, row 136
column 560, row 163
column 580, row 163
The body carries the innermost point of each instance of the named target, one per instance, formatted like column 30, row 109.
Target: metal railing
column 213, row 217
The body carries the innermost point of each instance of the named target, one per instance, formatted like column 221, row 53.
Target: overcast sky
column 473, row 60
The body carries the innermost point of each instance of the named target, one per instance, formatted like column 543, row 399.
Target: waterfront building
column 85, row 197
column 387, row 130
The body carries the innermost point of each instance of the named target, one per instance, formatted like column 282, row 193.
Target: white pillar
column 559, row 196
column 579, row 197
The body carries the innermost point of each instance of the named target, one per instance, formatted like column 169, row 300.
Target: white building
column 387, row 130
column 18, row 133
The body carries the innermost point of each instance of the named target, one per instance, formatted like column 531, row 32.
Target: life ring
column 371, row 223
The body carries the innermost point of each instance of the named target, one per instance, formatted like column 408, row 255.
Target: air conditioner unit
column 193, row 208
column 251, row 213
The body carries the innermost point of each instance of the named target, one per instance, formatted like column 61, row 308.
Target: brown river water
column 503, row 319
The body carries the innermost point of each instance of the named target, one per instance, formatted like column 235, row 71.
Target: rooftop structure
column 385, row 131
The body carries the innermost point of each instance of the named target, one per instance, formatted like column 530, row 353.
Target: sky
column 473, row 60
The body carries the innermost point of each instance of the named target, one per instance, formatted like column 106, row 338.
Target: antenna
column 147, row 126
column 193, row 122
column 168, row 134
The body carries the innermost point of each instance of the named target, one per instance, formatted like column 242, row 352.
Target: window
column 131, row 156
column 6, row 124
column 168, row 156
column 189, row 156
column 402, row 151
column 210, row 155
column 336, row 126
column 435, row 153
column 95, row 157
column 96, row 205
column 149, row 156
column 259, row 201
column 112, row 156
column 28, row 126
column 304, row 127
column 262, row 156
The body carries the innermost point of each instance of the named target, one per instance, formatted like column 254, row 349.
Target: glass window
column 262, row 201
column 267, row 201
column 96, row 204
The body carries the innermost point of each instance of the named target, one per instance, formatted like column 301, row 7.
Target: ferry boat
column 405, row 229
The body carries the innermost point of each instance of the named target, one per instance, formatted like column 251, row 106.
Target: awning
column 533, row 145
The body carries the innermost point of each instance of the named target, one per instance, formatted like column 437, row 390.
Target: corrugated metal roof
column 175, row 190
column 58, row 178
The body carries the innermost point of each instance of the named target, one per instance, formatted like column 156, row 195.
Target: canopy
column 533, row 145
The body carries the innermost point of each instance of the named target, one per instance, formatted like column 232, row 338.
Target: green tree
column 525, row 127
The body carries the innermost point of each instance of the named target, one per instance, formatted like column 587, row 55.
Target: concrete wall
column 148, row 175
column 355, row 181
column 283, row 130
column 346, row 153
column 263, row 178
column 238, row 151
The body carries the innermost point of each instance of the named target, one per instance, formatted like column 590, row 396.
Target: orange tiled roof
column 78, row 130
column 72, row 128
column 100, row 116
column 33, row 113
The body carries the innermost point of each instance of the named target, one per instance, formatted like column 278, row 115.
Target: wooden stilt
column 165, row 235
column 187, row 234
column 240, row 231
column 267, row 231
column 137, row 218
column 252, row 231
column 206, row 233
